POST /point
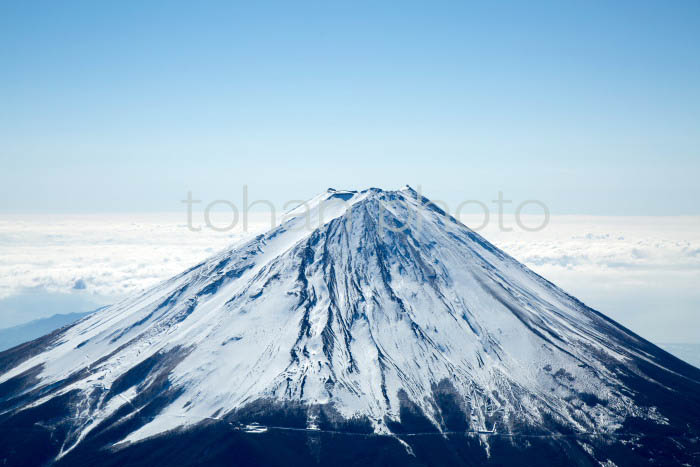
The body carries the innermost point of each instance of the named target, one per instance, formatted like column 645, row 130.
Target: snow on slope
column 366, row 301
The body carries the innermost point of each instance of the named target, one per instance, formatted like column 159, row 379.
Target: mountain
column 367, row 328
column 10, row 337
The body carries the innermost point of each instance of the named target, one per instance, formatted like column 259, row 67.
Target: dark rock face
column 30, row 441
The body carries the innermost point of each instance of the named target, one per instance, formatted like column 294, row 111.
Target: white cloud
column 105, row 255
column 641, row 271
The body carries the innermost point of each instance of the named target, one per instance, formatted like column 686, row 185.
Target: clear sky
column 592, row 107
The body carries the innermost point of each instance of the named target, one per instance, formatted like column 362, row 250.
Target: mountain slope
column 371, row 313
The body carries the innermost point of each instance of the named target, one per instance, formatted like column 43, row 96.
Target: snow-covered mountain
column 368, row 326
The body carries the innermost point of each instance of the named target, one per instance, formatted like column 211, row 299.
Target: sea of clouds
column 642, row 271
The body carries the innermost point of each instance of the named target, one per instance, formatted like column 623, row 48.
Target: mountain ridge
column 16, row 335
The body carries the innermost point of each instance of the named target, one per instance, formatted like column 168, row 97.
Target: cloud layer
column 107, row 255
column 641, row 271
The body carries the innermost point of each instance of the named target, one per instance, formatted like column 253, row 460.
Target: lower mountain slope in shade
column 368, row 328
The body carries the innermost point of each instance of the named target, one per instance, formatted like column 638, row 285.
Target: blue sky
column 592, row 107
